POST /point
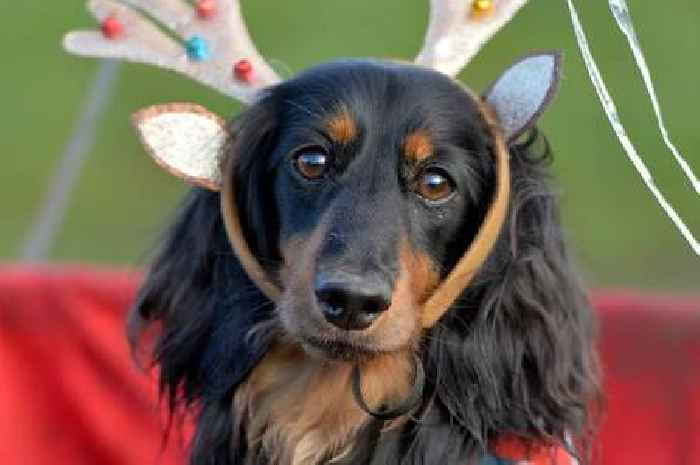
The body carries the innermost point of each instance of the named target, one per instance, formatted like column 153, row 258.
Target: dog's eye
column 312, row 163
column 434, row 185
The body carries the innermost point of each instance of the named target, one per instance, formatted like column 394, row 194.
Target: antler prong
column 141, row 42
column 174, row 14
column 456, row 34
column 224, row 37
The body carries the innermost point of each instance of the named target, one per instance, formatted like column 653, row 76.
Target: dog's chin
column 333, row 345
column 338, row 350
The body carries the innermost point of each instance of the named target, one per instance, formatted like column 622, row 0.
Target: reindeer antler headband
column 216, row 49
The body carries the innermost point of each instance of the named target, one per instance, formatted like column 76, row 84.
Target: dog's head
column 360, row 185
column 368, row 180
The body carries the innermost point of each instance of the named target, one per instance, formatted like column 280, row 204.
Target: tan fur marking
column 418, row 146
column 300, row 410
column 342, row 127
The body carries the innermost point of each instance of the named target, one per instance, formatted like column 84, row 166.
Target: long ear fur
column 254, row 135
column 516, row 355
column 202, row 305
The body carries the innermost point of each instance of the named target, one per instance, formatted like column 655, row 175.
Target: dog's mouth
column 337, row 349
column 324, row 341
column 303, row 321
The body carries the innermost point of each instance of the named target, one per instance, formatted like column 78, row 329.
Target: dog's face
column 374, row 172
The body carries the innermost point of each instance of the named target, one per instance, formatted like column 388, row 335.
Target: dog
column 361, row 184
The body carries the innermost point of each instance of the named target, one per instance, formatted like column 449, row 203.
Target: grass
column 620, row 235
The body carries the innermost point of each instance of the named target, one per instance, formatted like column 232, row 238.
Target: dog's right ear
column 186, row 140
column 522, row 93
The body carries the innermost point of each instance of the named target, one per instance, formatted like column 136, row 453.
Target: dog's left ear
column 523, row 92
column 185, row 139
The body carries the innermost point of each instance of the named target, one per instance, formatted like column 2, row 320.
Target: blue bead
column 197, row 48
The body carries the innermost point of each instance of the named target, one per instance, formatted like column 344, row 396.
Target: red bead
column 206, row 8
column 112, row 28
column 243, row 70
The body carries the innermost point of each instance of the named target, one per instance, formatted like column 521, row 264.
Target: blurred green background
column 122, row 201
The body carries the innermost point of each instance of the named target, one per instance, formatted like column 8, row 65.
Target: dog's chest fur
column 298, row 410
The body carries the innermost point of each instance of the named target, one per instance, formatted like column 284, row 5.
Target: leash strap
column 234, row 230
column 467, row 267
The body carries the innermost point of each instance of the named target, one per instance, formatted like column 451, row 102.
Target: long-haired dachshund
column 360, row 186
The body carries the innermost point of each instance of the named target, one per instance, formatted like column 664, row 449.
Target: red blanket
column 70, row 393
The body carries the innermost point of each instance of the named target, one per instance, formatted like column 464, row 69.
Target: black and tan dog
column 360, row 186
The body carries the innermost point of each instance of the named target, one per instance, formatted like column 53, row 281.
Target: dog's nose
column 351, row 302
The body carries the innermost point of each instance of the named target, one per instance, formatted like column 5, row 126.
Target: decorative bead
column 482, row 7
column 243, row 70
column 112, row 28
column 197, row 48
column 206, row 8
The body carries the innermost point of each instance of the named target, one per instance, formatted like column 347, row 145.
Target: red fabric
column 70, row 393
column 516, row 449
column 69, row 390
column 651, row 357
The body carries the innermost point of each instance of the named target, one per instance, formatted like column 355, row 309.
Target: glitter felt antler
column 219, row 52
column 217, row 49
column 458, row 29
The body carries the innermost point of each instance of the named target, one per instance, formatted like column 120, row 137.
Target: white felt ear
column 523, row 91
column 185, row 139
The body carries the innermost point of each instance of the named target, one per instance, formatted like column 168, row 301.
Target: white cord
column 622, row 15
column 614, row 117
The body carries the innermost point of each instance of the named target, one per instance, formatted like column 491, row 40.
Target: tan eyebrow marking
column 418, row 146
column 342, row 127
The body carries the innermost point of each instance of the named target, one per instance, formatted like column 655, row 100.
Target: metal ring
column 406, row 406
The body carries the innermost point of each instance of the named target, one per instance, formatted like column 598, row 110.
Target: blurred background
column 69, row 392
column 122, row 200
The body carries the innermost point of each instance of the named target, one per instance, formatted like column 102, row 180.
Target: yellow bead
column 483, row 5
column 481, row 8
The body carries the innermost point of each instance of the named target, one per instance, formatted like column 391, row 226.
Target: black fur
column 515, row 354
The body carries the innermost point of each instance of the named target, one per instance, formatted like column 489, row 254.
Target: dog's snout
column 352, row 302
